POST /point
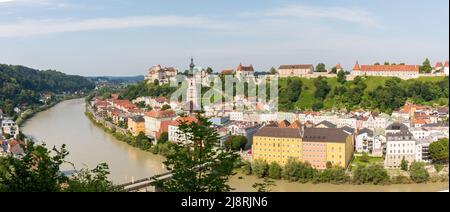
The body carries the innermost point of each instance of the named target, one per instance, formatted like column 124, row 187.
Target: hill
column 22, row 86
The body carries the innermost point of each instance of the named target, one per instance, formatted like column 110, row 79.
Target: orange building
column 136, row 125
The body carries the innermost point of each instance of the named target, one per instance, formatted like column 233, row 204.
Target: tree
column 329, row 165
column 260, row 168
column 374, row 173
column 376, row 64
column 165, row 107
column 334, row 70
column 404, row 165
column 236, row 143
column 247, row 168
column 200, row 165
column 156, row 82
column 418, row 173
column 275, row 170
column 322, row 88
column 266, row 186
column 439, row 151
column 209, row 70
column 273, row 71
column 341, row 77
column 321, row 67
column 163, row 138
column 39, row 171
column 364, row 158
column 426, row 67
column 386, row 63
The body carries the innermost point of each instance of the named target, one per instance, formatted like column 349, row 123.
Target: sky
column 126, row 37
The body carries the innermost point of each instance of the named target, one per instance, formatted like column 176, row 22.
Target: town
column 321, row 138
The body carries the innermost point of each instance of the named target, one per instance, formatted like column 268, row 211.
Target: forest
column 22, row 86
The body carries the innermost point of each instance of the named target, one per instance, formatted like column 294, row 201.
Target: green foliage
column 404, row 165
column 341, row 77
column 322, row 88
column 39, row 171
column 266, row 186
column 260, row 168
column 364, row 158
column 298, row 171
column 426, row 67
column 165, row 107
column 200, row 165
column 332, row 175
column 275, row 170
column 289, row 93
column 371, row 174
column 147, row 89
column 21, row 86
column 209, row 70
column 163, row 138
column 247, row 168
column 321, row 67
column 273, row 71
column 236, row 143
column 439, row 151
column 418, row 173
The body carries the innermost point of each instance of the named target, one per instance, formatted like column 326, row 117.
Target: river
column 89, row 145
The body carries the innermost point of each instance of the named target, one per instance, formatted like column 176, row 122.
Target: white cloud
column 4, row 1
column 351, row 14
column 28, row 28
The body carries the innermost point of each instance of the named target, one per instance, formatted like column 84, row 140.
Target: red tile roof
column 409, row 68
column 338, row 66
column 284, row 124
column 245, row 68
column 357, row 67
column 187, row 119
column 161, row 114
column 161, row 100
column 446, row 64
column 438, row 65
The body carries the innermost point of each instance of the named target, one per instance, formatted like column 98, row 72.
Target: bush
column 418, row 172
column 372, row 174
column 439, row 151
column 401, row 180
column 275, row 171
column 332, row 175
column 297, row 171
column 247, row 168
column 260, row 168
column 404, row 165
column 364, row 158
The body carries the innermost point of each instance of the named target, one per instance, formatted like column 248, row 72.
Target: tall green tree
column 321, row 67
column 273, row 71
column 341, row 77
column 404, row 165
column 439, row 151
column 200, row 165
column 426, row 67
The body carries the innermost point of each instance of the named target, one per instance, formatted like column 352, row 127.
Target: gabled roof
column 365, row 130
column 327, row 124
column 276, row 132
column 245, row 68
column 357, row 67
column 324, row 135
column 284, row 124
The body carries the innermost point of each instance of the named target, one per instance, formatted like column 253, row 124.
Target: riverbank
column 29, row 113
column 243, row 183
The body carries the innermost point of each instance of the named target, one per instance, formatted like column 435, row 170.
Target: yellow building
column 277, row 144
column 136, row 125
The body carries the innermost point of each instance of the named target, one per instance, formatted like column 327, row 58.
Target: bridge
column 146, row 183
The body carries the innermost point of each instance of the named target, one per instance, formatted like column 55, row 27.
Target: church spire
column 192, row 66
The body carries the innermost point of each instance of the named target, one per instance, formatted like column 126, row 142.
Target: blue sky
column 126, row 37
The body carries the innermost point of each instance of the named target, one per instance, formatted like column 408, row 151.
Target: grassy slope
column 306, row 99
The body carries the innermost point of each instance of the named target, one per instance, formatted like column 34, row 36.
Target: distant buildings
column 400, row 71
column 245, row 71
column 9, row 127
column 161, row 75
column 153, row 120
column 136, row 125
column 401, row 145
column 175, row 135
column 301, row 70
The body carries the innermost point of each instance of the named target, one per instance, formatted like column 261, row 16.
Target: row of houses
column 8, row 137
